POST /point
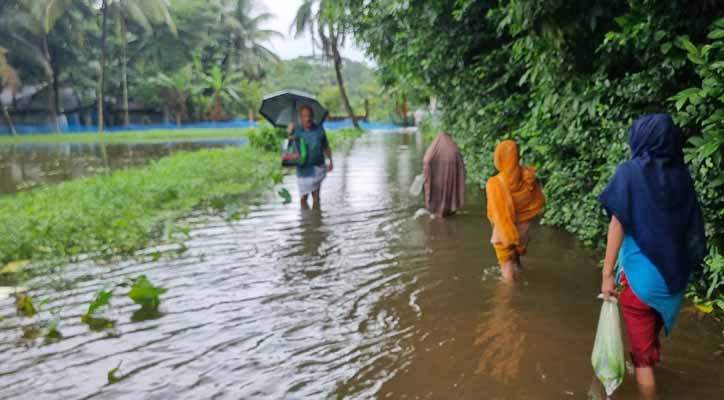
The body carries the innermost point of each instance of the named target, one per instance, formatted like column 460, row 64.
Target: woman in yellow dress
column 514, row 199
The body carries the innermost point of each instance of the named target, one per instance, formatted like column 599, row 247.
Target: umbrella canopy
column 281, row 108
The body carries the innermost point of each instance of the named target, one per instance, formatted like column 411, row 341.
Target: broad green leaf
column 716, row 34
column 102, row 298
column 284, row 194
column 144, row 293
column 24, row 305
column 717, row 182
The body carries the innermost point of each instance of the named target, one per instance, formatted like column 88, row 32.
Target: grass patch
column 150, row 136
column 122, row 212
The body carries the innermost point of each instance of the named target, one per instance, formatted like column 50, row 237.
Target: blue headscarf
column 653, row 197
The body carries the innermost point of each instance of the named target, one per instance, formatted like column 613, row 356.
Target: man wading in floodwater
column 311, row 174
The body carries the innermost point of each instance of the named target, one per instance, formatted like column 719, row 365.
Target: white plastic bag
column 416, row 187
column 608, row 359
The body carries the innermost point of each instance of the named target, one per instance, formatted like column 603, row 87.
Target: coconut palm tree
column 244, row 37
column 328, row 27
column 143, row 15
column 25, row 29
column 8, row 80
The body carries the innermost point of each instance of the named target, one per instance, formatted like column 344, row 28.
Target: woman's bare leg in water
column 646, row 382
column 303, row 202
column 508, row 270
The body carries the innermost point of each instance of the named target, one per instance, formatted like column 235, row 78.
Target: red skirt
column 643, row 325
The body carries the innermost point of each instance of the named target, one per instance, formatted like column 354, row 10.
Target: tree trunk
column 124, row 69
column 9, row 121
column 102, row 77
column 252, row 114
column 52, row 105
column 340, row 83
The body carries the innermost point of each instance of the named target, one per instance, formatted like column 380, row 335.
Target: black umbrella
column 281, row 108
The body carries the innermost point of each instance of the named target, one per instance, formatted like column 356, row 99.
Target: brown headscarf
column 444, row 172
column 514, row 195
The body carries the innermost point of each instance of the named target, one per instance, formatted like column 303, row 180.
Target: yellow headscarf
column 514, row 195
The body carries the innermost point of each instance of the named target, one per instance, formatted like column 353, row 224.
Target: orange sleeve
column 501, row 213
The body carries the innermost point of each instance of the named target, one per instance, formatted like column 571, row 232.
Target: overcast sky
column 287, row 48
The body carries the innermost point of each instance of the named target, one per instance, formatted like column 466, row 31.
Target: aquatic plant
column 123, row 212
column 144, row 293
column 103, row 297
column 24, row 304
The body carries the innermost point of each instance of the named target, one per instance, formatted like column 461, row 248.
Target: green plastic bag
column 608, row 359
column 294, row 152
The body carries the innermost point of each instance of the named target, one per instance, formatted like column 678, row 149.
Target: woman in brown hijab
column 444, row 173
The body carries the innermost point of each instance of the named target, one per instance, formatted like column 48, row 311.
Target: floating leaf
column 102, row 298
column 112, row 377
column 284, row 194
column 144, row 293
column 24, row 305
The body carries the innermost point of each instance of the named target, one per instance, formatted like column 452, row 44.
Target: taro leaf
column 112, row 377
column 284, row 194
column 102, row 299
column 24, row 305
column 144, row 293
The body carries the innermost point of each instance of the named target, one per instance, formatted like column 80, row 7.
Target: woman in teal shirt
column 311, row 174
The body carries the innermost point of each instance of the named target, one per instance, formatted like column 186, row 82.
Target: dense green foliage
column 316, row 76
column 196, row 59
column 566, row 79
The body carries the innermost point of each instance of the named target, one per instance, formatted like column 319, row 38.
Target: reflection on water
column 500, row 338
column 359, row 301
column 27, row 165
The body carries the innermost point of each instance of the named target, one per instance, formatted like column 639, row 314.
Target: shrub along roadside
column 566, row 80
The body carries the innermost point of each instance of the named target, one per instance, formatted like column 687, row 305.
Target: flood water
column 25, row 166
column 360, row 301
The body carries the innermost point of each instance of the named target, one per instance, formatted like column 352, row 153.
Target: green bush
column 566, row 80
column 266, row 138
